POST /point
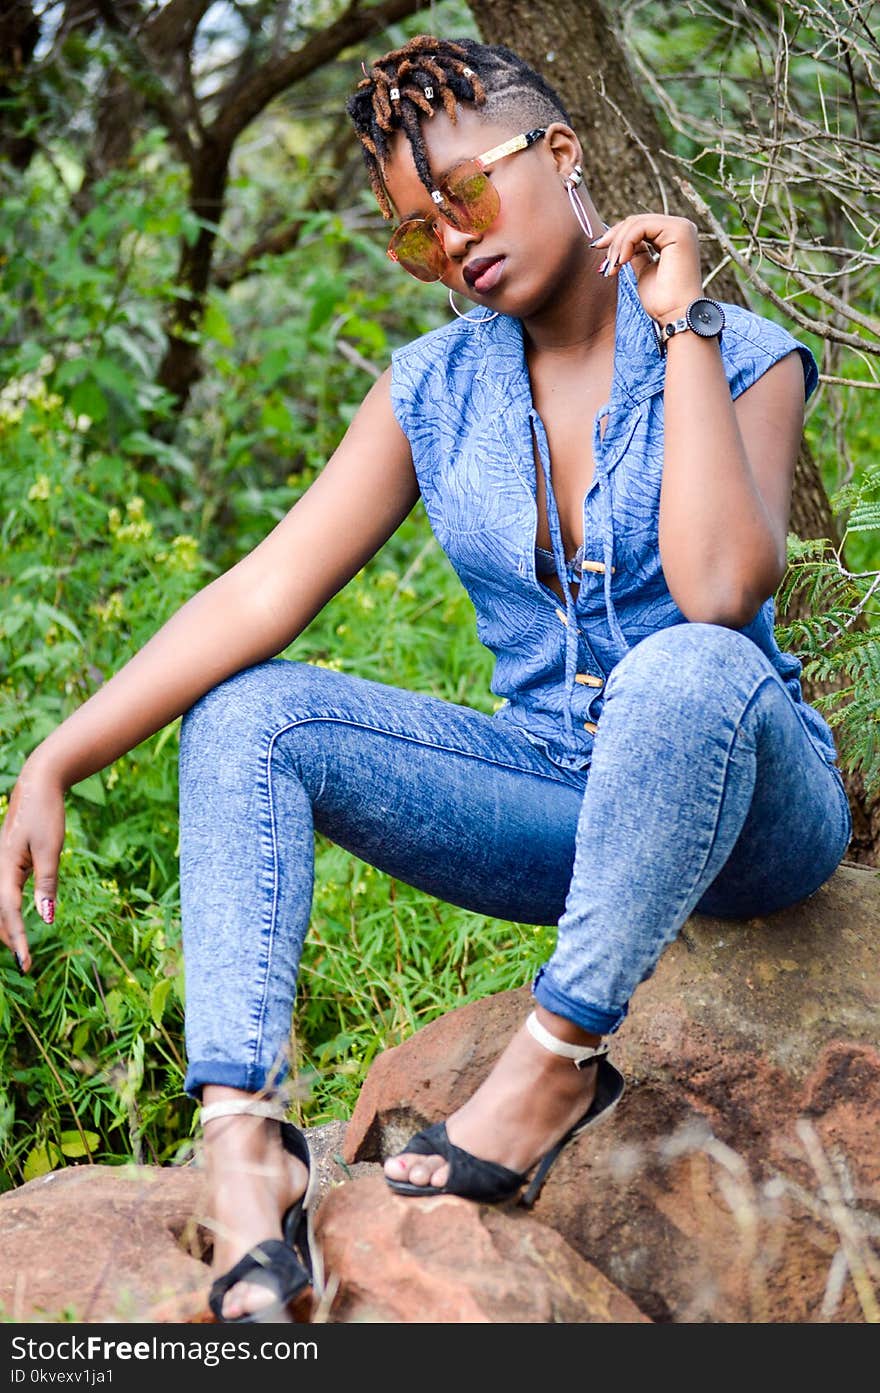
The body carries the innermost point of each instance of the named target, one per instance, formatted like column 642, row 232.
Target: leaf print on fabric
column 462, row 396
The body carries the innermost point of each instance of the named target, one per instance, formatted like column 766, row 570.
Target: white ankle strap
column 580, row 1055
column 252, row 1106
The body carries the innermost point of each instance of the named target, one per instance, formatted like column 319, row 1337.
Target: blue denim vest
column 462, row 396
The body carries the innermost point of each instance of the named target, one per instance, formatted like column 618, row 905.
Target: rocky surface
column 751, row 1060
column 443, row 1260
column 738, row 1180
column 97, row 1243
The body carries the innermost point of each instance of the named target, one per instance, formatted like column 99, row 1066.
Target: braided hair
column 408, row 85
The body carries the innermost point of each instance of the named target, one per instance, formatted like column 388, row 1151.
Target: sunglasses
column 466, row 199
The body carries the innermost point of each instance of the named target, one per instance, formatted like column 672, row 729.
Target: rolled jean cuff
column 249, row 1078
column 596, row 1019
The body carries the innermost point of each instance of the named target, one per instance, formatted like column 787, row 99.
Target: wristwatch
column 704, row 317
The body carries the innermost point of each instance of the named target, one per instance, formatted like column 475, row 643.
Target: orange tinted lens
column 470, row 197
column 417, row 249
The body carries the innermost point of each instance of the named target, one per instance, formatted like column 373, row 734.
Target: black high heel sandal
column 490, row 1183
column 287, row 1267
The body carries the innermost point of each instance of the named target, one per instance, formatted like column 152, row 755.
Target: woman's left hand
column 665, row 255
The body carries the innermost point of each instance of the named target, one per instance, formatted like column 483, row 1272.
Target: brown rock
column 445, row 1260
column 698, row 1197
column 103, row 1243
column 738, row 1181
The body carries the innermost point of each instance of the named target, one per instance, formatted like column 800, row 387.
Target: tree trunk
column 180, row 367
column 574, row 45
column 19, row 34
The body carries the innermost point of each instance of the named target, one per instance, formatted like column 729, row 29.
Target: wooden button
column 598, row 566
column 591, row 727
column 563, row 617
column 588, row 680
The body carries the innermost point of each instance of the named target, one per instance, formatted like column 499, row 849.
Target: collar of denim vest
column 639, row 370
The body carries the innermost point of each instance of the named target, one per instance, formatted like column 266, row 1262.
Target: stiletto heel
column 285, row 1267
column 487, row 1181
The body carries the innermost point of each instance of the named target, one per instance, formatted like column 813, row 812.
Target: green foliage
column 91, row 1043
column 108, row 527
column 282, row 351
column 832, row 650
column 113, row 513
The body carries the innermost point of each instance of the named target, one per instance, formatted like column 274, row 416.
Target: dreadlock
column 409, row 84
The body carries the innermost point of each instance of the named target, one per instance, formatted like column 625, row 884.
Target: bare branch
column 357, row 360
column 245, row 100
column 174, row 26
column 799, row 172
column 847, row 382
column 156, row 93
column 821, row 328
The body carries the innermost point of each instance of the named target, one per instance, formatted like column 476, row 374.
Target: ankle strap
column 580, row 1055
column 254, row 1107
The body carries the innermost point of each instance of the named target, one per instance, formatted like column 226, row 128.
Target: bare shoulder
column 376, row 439
column 775, row 402
column 358, row 500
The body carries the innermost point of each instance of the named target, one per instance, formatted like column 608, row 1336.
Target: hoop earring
column 485, row 319
column 577, row 207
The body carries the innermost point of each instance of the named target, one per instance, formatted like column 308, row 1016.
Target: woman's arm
column 728, row 469
column 728, row 466
column 248, row 614
column 257, row 608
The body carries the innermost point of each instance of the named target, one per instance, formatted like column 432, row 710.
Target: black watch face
column 705, row 318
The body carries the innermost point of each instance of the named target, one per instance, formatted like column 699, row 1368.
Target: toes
column 246, row 1298
column 396, row 1167
column 422, row 1171
column 417, row 1170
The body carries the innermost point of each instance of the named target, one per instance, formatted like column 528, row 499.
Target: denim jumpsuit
column 639, row 767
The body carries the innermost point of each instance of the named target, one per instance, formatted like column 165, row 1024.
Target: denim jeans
column 704, row 794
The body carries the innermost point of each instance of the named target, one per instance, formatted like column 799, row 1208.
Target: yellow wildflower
column 111, row 611
column 40, row 490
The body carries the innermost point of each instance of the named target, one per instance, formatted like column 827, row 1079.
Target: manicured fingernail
column 601, row 269
column 47, row 911
column 596, row 240
column 20, row 963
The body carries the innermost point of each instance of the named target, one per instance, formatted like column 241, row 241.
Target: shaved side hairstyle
column 406, row 86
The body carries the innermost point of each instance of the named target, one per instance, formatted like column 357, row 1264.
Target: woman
column 652, row 755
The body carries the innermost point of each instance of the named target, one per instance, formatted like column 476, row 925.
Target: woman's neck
column 577, row 322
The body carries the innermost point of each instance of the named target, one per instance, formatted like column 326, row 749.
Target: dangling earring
column 574, row 198
column 485, row 319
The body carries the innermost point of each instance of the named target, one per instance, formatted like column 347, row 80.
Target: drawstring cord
column 571, row 629
column 608, row 559
column 607, row 537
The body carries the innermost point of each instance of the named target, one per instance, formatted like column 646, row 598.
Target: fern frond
column 865, row 517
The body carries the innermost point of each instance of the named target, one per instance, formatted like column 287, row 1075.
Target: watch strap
column 664, row 332
column 674, row 326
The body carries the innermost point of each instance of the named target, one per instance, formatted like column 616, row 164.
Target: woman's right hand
column 30, row 841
